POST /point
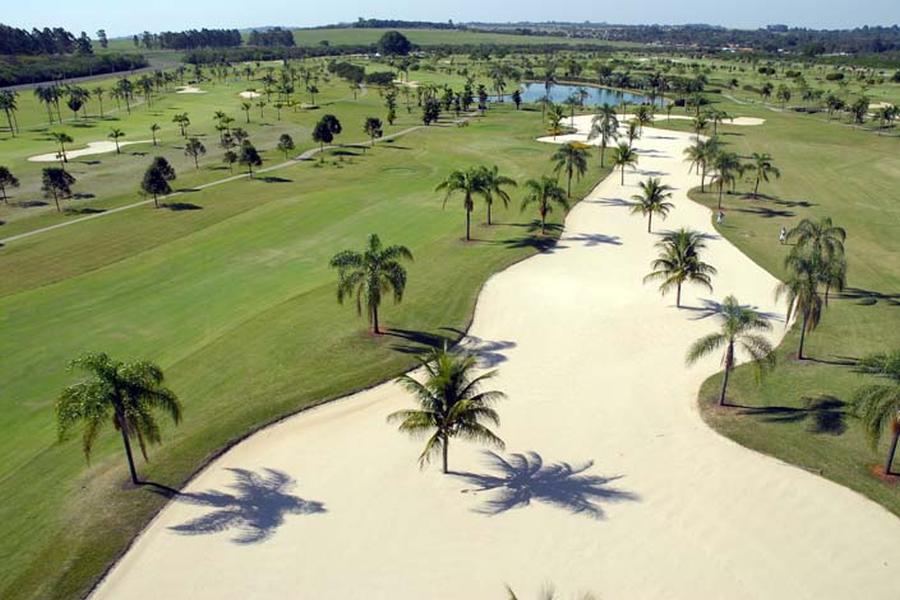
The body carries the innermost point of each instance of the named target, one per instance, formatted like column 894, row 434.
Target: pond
column 534, row 92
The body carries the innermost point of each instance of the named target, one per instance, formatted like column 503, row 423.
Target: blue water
column 534, row 92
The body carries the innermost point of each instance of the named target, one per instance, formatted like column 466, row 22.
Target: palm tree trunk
column 375, row 329
column 728, row 360
column 721, row 187
column 802, row 339
column 756, row 187
column 468, row 224
column 569, row 186
column 56, row 200
column 123, row 428
column 489, row 216
column 678, row 297
column 602, row 153
column 445, row 444
column 623, row 174
column 649, row 221
column 892, row 450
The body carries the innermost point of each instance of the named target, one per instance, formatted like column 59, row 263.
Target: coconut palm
column 801, row 289
column 679, row 262
column 727, row 168
column 643, row 116
column 555, row 116
column 824, row 240
column 114, row 134
column 469, row 183
column 153, row 129
column 700, row 156
column 652, row 199
column 572, row 158
column 370, row 274
column 740, row 328
column 544, row 192
column 451, row 404
column 624, row 156
column 128, row 393
column 604, row 125
column 878, row 404
column 494, row 183
column 763, row 167
column 62, row 138
column 9, row 105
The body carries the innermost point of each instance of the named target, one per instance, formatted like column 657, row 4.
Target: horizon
column 123, row 21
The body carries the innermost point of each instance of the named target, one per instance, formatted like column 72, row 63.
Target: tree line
column 15, row 41
column 189, row 39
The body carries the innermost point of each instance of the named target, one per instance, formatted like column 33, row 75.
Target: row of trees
column 56, row 40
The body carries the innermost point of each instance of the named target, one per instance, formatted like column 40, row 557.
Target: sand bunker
column 189, row 89
column 249, row 95
column 611, row 481
column 92, row 148
column 742, row 121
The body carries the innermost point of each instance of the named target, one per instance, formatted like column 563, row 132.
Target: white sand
column 92, row 148
column 249, row 95
column 742, row 121
column 189, row 89
column 593, row 363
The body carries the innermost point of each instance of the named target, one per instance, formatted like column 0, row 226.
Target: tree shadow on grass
column 30, row 203
column 767, row 213
column 520, row 479
column 255, row 510
column 824, row 414
column 865, row 297
column 274, row 179
column 84, row 210
column 180, row 206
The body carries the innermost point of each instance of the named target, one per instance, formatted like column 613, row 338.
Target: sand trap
column 189, row 89
column 249, row 95
column 742, row 121
column 92, row 148
column 409, row 84
column 637, row 497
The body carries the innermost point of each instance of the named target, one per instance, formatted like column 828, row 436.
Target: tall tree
column 727, row 167
column 571, row 157
column 371, row 274
column 801, row 289
column 183, row 122
column 285, row 144
column 56, row 183
column 740, row 328
column 9, row 105
column 624, row 156
column 156, row 179
column 62, row 138
column 249, row 157
column 114, row 134
column 7, row 180
column 153, row 129
column 451, row 404
column 373, row 128
column 544, row 192
column 494, row 183
column 194, row 149
column 604, row 125
column 878, row 404
column 652, row 200
column 700, row 156
column 763, row 167
column 127, row 393
column 469, row 183
column 679, row 262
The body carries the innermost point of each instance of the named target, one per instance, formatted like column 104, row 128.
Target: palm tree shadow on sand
column 255, row 510
column 520, row 479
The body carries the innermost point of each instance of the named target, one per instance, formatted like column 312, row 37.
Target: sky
column 122, row 17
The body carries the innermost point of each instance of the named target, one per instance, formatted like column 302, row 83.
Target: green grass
column 799, row 413
column 234, row 300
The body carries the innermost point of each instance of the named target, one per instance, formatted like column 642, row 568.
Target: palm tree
column 494, row 183
column 114, row 134
column 451, row 404
column 632, row 131
column 644, row 116
column 469, row 182
column 153, row 129
column 370, row 274
column 8, row 104
column 62, row 139
column 555, row 117
column 571, row 157
column 127, row 392
column 544, row 192
column 98, row 94
column 183, row 121
column 739, row 327
column 878, row 404
column 624, row 156
column 7, row 180
column 604, row 125
column 652, row 199
column 801, row 289
column 763, row 167
column 701, row 155
column 548, row 593
column 679, row 262
column 824, row 240
column 727, row 167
